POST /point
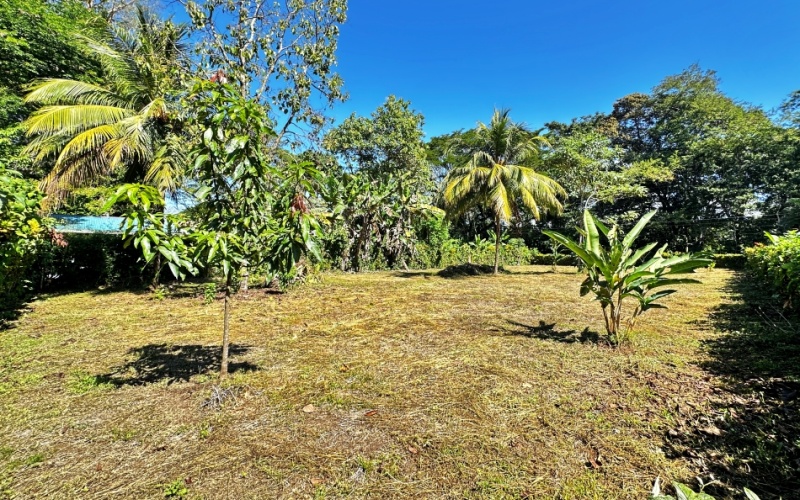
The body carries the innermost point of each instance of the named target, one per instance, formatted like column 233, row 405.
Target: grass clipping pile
column 363, row 385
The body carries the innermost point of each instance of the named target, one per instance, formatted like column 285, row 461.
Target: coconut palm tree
column 498, row 177
column 128, row 126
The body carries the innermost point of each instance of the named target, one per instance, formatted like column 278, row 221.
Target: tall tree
column 384, row 180
column 717, row 149
column 38, row 41
column 282, row 53
column 130, row 124
column 499, row 176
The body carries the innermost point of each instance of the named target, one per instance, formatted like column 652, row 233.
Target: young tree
column 615, row 271
column 497, row 177
column 242, row 223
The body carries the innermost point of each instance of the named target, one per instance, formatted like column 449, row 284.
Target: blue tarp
column 87, row 224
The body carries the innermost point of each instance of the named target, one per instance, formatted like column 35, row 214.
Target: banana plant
column 615, row 271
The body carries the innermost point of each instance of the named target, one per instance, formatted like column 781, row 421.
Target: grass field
column 389, row 385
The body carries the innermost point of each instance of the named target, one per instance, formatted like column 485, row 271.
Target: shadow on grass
column 174, row 363
column 414, row 274
column 546, row 331
column 751, row 435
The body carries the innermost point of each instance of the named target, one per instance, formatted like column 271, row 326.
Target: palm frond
column 494, row 176
column 54, row 91
column 71, row 119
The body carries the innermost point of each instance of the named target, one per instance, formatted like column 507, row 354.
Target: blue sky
column 456, row 60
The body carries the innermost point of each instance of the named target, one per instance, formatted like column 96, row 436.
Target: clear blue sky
column 456, row 60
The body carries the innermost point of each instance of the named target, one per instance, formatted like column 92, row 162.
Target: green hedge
column 778, row 264
column 455, row 252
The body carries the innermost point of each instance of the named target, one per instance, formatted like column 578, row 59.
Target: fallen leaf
column 712, row 430
column 371, row 413
column 413, row 450
column 315, row 481
column 309, row 408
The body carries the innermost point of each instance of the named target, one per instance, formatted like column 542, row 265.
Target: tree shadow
column 414, row 274
column 469, row 270
column 546, row 331
column 750, row 434
column 173, row 363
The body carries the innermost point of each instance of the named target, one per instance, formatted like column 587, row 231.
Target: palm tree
column 497, row 177
column 129, row 125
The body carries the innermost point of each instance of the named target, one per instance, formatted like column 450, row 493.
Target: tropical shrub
column 778, row 263
column 614, row 273
column 21, row 230
column 453, row 252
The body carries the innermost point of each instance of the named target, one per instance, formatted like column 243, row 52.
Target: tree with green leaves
column 718, row 151
column 615, row 272
column 499, row 176
column 281, row 53
column 38, row 41
column 383, row 184
column 593, row 172
column 130, row 124
column 241, row 222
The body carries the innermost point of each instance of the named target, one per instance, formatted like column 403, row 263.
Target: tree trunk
column 157, row 275
column 223, row 366
column 496, row 244
column 245, row 276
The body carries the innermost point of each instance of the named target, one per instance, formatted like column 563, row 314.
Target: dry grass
column 421, row 386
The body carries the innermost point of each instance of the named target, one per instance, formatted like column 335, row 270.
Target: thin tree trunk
column 496, row 244
column 223, row 367
column 156, row 276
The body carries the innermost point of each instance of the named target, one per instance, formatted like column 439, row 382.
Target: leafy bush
column 614, row 272
column 22, row 230
column 455, row 252
column 778, row 263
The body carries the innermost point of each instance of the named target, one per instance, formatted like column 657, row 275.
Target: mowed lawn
column 380, row 385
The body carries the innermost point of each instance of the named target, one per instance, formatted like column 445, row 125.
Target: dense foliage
column 378, row 193
column 21, row 230
column 130, row 125
column 778, row 264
